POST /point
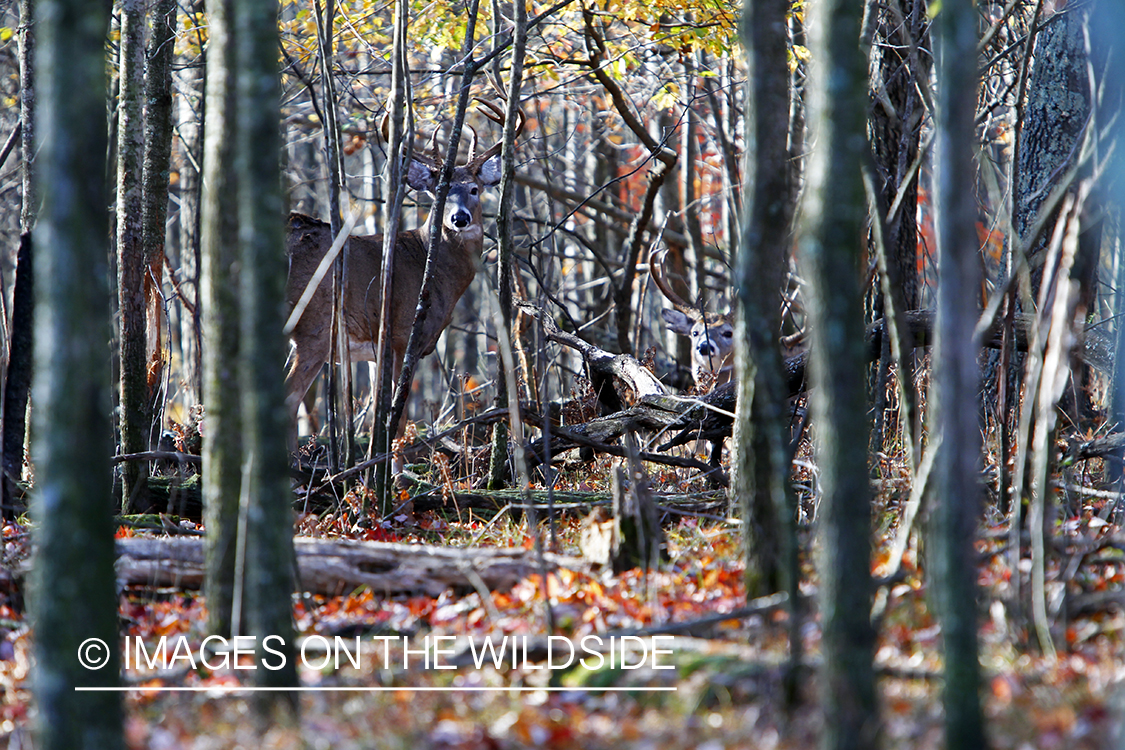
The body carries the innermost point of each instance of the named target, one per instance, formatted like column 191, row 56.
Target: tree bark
column 133, row 395
column 400, row 148
column 191, row 115
column 74, row 595
column 154, row 208
column 958, row 491
column 900, row 74
column 499, row 470
column 1107, row 19
column 268, row 524
column 831, row 252
column 17, row 383
column 222, row 443
column 1054, row 120
column 760, row 464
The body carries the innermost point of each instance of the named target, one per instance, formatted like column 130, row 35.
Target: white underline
column 342, row 689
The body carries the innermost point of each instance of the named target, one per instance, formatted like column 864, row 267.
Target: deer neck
column 460, row 247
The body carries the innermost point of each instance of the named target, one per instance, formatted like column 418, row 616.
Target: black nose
column 461, row 219
column 705, row 350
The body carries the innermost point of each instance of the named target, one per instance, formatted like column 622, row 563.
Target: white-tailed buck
column 711, row 334
column 455, row 259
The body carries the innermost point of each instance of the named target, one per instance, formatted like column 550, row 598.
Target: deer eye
column 728, row 334
column 473, row 191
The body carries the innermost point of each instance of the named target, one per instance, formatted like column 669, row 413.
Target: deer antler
column 656, row 270
column 431, row 154
column 496, row 114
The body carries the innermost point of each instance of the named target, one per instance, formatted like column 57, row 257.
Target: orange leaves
column 354, row 143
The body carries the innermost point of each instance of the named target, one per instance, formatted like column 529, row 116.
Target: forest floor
column 725, row 687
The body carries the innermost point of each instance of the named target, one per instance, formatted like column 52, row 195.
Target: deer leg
column 715, row 476
column 397, row 461
column 304, row 366
column 309, row 402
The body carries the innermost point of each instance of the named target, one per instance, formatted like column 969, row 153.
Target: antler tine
column 492, row 112
column 433, row 152
column 496, row 114
column 656, row 270
column 473, row 145
column 385, row 127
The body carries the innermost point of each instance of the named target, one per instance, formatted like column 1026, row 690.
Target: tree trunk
column 760, row 464
column 1107, row 20
column 761, row 467
column 17, row 377
column 637, row 539
column 339, row 397
column 1054, row 120
column 900, row 71
column 401, row 132
column 957, row 498
column 154, row 210
column 831, row 250
column 498, row 470
column 74, row 594
column 17, row 383
column 222, row 444
column 191, row 115
column 268, row 531
column 133, row 405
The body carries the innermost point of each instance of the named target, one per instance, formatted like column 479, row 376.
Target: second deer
column 711, row 334
column 455, row 258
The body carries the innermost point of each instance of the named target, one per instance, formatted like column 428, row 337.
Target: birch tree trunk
column 191, row 115
column 17, row 375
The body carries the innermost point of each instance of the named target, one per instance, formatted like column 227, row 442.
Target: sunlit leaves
column 668, row 96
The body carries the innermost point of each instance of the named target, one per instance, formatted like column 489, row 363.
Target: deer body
column 455, row 259
column 308, row 241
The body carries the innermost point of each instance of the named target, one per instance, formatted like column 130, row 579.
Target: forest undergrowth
column 725, row 687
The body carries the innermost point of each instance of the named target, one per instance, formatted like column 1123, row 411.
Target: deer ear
column 421, row 176
column 490, row 171
column 677, row 321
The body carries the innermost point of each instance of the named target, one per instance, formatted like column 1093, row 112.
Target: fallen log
column 333, row 567
column 655, row 410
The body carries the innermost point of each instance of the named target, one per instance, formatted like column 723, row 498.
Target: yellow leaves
column 617, row 69
column 6, row 33
column 668, row 96
column 797, row 54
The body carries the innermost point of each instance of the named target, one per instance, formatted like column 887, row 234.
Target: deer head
column 462, row 218
column 711, row 334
